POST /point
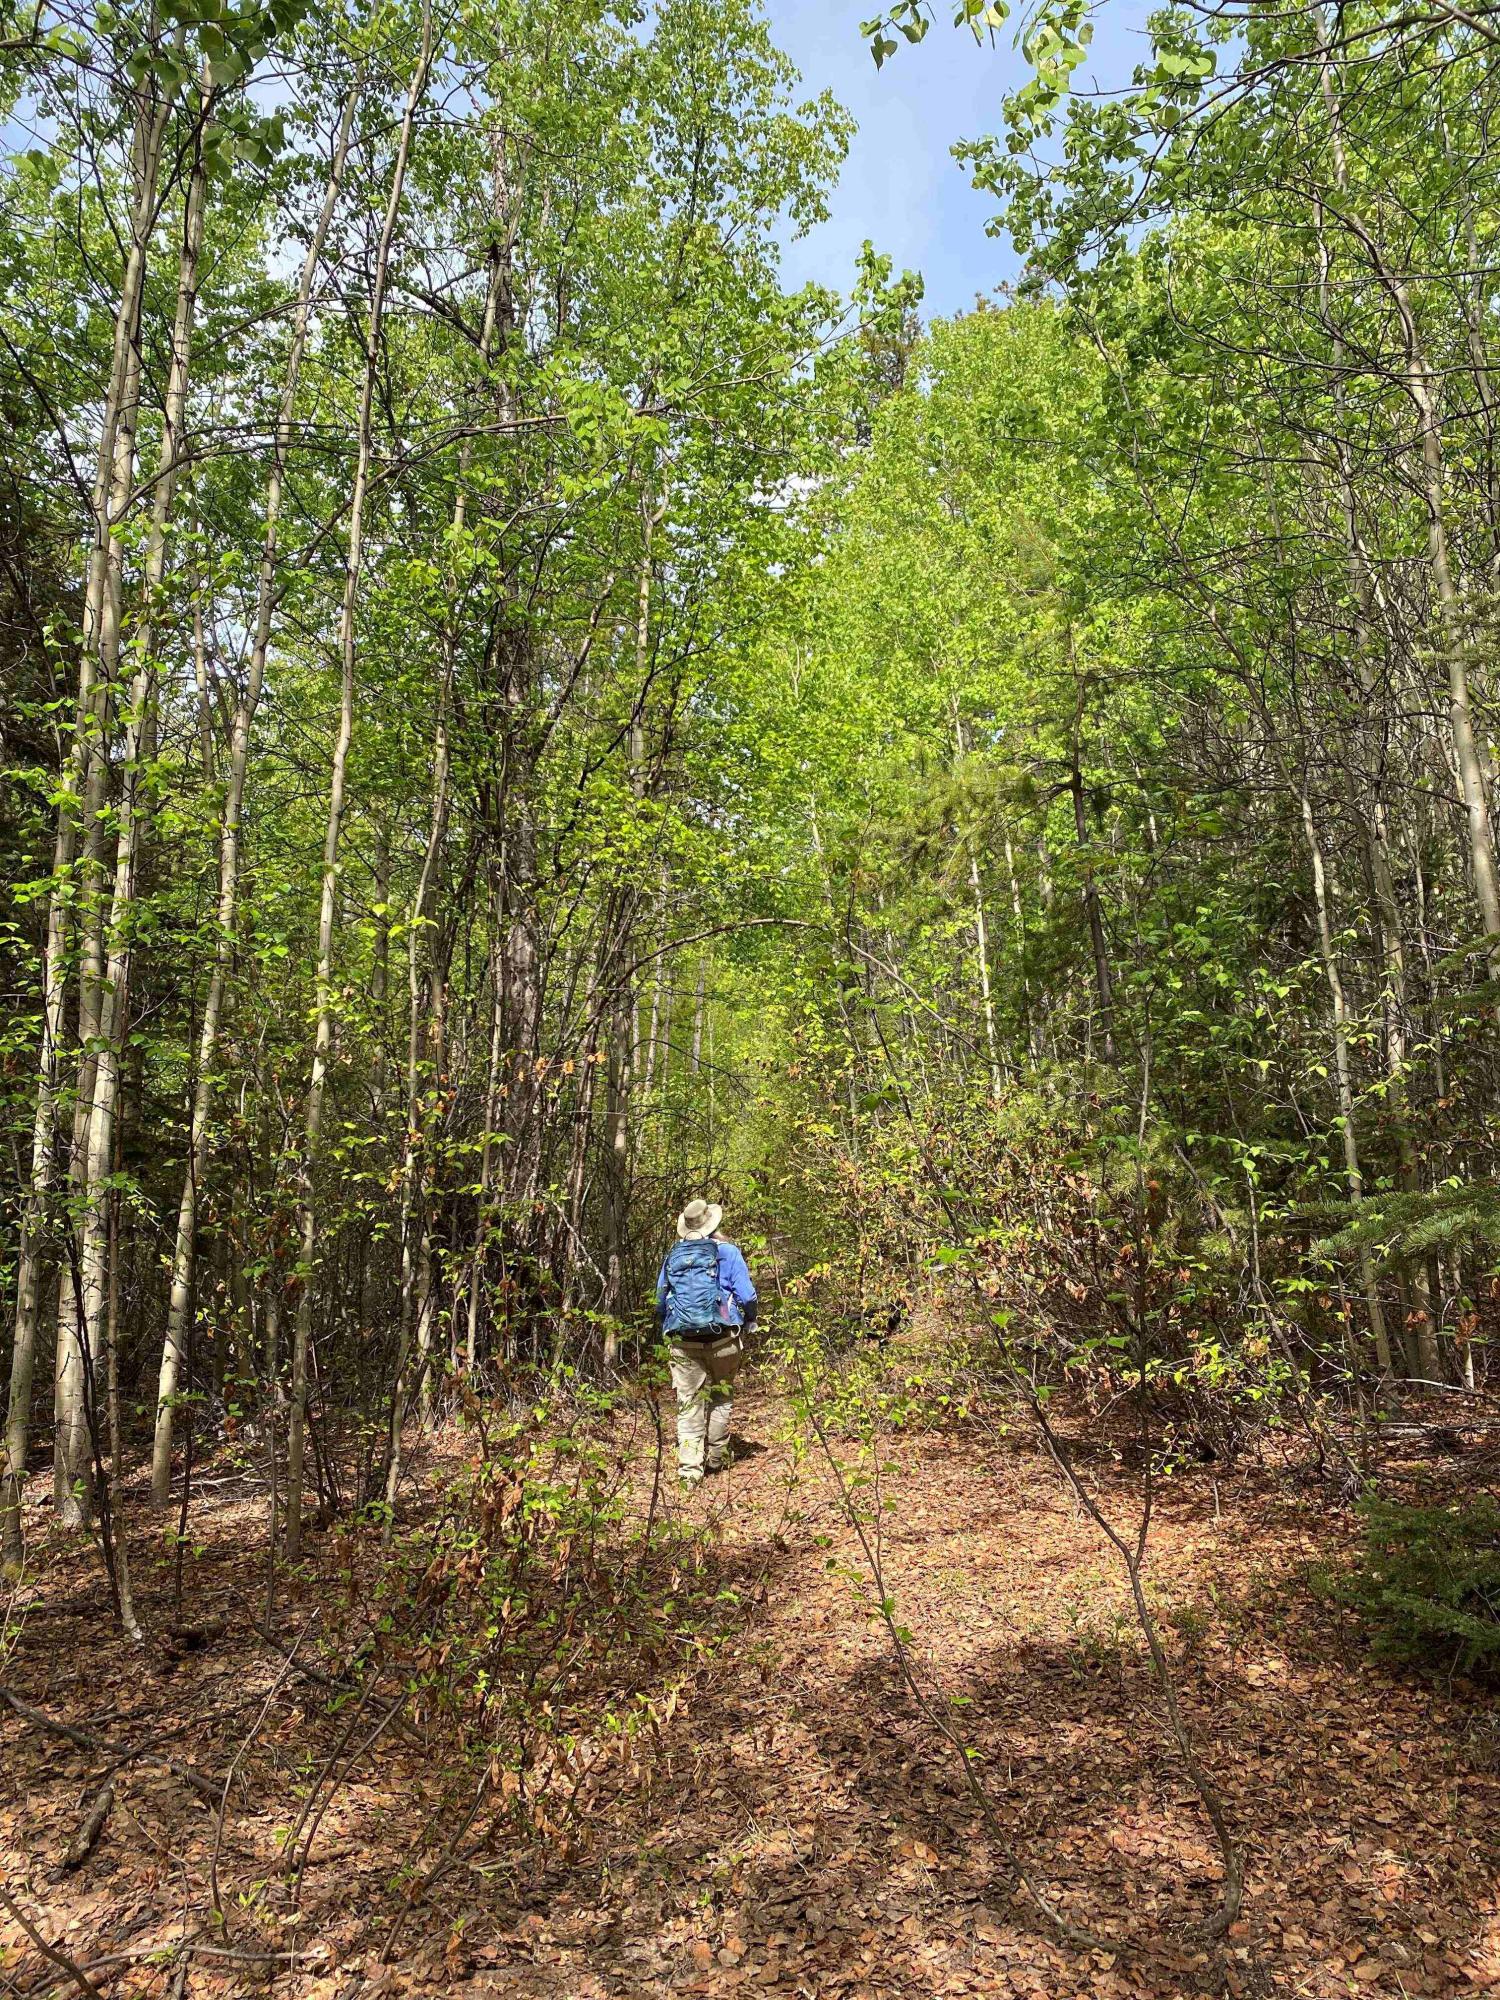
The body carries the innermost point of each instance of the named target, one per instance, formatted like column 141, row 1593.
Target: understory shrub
column 544, row 1624
column 861, row 1374
column 1428, row 1585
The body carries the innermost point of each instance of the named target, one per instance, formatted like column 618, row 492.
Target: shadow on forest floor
column 781, row 1821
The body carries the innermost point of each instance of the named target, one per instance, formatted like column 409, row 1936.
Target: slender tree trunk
column 1424, row 945
column 1421, row 387
column 622, row 1023
column 982, row 962
column 981, row 935
column 130, row 1624
column 196, row 1166
column 139, row 748
column 523, row 1098
column 825, row 882
column 323, row 1039
column 1370, row 808
column 83, row 808
column 1018, row 915
column 1455, row 645
column 83, row 797
column 1103, row 981
column 569, row 1260
column 617, row 1139
column 486, row 1146
column 654, row 1028
column 1354, row 1178
column 424, row 983
column 103, row 612
column 695, row 1053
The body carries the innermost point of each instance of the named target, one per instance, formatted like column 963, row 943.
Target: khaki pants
column 703, row 1404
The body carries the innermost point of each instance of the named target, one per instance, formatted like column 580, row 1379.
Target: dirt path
column 839, row 1852
column 799, row 1830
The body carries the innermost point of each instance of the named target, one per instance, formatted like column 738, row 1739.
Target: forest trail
column 800, row 1830
column 537, row 686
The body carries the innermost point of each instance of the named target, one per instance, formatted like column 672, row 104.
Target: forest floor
column 798, row 1829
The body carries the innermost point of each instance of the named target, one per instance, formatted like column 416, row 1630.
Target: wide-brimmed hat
column 699, row 1218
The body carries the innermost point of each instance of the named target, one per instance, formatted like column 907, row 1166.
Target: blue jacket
column 735, row 1281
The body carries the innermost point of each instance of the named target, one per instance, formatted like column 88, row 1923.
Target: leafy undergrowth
column 1428, row 1586
column 563, row 1755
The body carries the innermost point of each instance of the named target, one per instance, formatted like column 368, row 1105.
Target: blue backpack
column 693, row 1290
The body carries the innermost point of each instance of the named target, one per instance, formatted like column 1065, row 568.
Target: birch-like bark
column 623, row 1027
column 424, row 982
column 1421, row 388
column 1353, row 1176
column 1103, row 979
column 982, row 961
column 130, row 1624
column 114, row 1009
column 621, row 1060
column 1423, row 393
column 81, row 796
column 72, row 1450
column 981, row 939
column 1420, row 385
column 180, row 1305
column 1018, row 917
column 658, row 997
column 1470, row 290
column 323, row 1038
column 1372, row 815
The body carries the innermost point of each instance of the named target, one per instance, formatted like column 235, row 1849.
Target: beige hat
column 699, row 1218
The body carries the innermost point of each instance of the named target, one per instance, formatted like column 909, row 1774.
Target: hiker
column 704, row 1300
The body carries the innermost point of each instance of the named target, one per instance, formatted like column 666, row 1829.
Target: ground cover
column 778, row 1818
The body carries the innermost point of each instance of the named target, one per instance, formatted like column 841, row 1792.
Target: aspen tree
column 323, row 1039
column 81, row 796
column 230, row 824
column 1423, row 389
column 114, row 1013
column 981, row 936
column 424, row 980
column 623, row 1035
column 1353, row 1172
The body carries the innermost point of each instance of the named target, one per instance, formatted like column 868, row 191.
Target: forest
column 517, row 718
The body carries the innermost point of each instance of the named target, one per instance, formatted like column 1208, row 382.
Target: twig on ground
column 1071, row 1933
column 655, row 1409
column 329, row 1768
column 55, row 1953
column 343, row 1778
column 1202, row 1784
column 121, row 1754
column 83, row 1843
column 438, row 1870
column 1197, row 1775
column 265, row 1709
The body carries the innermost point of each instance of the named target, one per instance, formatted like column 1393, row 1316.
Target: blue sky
column 900, row 187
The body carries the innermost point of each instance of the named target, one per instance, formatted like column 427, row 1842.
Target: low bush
column 1428, row 1585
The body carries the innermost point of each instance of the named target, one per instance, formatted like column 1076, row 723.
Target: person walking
column 705, row 1299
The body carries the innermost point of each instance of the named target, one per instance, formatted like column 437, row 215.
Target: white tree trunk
column 79, row 809
column 323, row 1039
column 1353, row 1176
column 196, row 1166
column 139, row 745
